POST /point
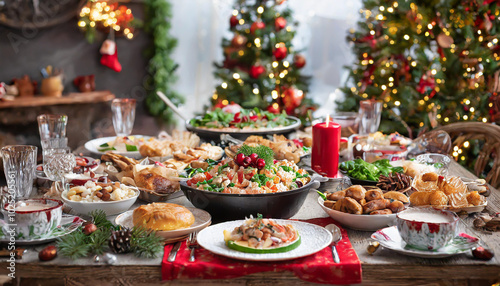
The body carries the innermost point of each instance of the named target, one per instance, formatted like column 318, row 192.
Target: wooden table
column 384, row 267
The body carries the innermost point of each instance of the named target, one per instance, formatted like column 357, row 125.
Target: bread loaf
column 162, row 216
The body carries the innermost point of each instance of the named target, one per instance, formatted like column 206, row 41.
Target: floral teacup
column 426, row 228
column 31, row 218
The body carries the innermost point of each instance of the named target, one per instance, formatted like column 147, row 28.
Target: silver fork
column 192, row 244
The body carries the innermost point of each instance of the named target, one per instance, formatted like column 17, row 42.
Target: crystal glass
column 123, row 115
column 55, row 143
column 19, row 162
column 348, row 121
column 57, row 163
column 437, row 141
column 438, row 161
column 370, row 112
column 52, row 126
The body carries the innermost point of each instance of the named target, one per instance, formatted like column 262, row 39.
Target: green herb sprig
column 264, row 152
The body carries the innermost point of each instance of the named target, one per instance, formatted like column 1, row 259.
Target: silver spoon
column 336, row 237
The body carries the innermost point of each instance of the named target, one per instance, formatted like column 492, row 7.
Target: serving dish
column 313, row 239
column 151, row 196
column 389, row 238
column 109, row 207
column 93, row 146
column 359, row 222
column 224, row 207
column 242, row 134
column 202, row 220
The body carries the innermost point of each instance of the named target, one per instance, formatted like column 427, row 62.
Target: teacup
column 427, row 228
column 31, row 218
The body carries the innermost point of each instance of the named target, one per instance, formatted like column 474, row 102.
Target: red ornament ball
column 233, row 21
column 259, row 25
column 274, row 108
column 292, row 98
column 238, row 41
column 280, row 52
column 299, row 61
column 279, row 23
column 256, row 71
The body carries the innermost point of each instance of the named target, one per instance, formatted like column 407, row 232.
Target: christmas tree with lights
column 261, row 68
column 431, row 62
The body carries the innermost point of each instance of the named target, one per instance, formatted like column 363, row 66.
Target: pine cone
column 120, row 240
column 394, row 182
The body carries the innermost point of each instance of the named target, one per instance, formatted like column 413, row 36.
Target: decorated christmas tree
column 261, row 68
column 431, row 62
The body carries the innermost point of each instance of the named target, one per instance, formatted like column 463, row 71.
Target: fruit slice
column 236, row 245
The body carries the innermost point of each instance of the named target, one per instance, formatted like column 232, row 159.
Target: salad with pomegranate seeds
column 253, row 171
column 244, row 119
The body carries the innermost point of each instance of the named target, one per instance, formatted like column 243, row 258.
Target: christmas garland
column 161, row 66
column 95, row 236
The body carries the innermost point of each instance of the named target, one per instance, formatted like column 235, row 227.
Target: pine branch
column 74, row 245
column 146, row 243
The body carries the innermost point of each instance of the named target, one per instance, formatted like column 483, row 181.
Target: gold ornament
column 444, row 41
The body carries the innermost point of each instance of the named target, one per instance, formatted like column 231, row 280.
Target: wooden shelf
column 71, row 98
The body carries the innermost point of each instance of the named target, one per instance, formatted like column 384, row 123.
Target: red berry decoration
column 239, row 159
column 254, row 157
column 279, row 23
column 261, row 163
column 89, row 228
column 299, row 61
column 48, row 253
column 256, row 71
column 233, row 21
column 259, row 25
column 247, row 161
column 280, row 52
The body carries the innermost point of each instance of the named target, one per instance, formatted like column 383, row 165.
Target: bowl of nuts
column 113, row 198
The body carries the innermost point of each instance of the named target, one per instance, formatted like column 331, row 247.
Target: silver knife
column 173, row 252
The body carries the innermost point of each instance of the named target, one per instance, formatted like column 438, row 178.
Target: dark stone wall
column 64, row 46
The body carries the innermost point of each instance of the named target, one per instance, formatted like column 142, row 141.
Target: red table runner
column 317, row 268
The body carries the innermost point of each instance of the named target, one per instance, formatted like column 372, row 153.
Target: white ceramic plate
column 109, row 207
column 389, row 238
column 69, row 223
column 313, row 239
column 359, row 222
column 202, row 220
column 93, row 146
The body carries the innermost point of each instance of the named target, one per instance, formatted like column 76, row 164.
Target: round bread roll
column 162, row 216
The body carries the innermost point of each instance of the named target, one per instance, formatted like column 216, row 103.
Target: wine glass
column 123, row 115
column 19, row 163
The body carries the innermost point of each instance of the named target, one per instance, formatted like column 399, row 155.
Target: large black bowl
column 214, row 134
column 224, row 207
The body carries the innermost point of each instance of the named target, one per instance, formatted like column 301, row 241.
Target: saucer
column 389, row 238
column 69, row 223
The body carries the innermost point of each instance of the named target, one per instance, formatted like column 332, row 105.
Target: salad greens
column 362, row 170
column 255, row 118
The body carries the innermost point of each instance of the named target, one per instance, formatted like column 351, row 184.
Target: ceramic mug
column 426, row 228
column 31, row 218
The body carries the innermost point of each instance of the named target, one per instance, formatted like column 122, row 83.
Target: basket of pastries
column 445, row 192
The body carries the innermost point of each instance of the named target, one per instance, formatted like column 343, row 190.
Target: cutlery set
column 191, row 244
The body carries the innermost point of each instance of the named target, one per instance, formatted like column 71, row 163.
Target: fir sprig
column 145, row 243
column 264, row 152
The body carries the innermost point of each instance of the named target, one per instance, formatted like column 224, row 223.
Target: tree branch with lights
column 431, row 62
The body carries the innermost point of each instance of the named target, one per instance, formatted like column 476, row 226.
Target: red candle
column 325, row 149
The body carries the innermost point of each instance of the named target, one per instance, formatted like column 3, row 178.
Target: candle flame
column 327, row 120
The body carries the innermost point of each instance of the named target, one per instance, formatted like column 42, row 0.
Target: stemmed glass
column 123, row 115
column 19, row 163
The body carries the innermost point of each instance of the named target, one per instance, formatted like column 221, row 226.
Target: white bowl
column 359, row 222
column 109, row 207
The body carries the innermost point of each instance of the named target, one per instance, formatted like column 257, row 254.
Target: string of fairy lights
column 103, row 15
column 279, row 68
